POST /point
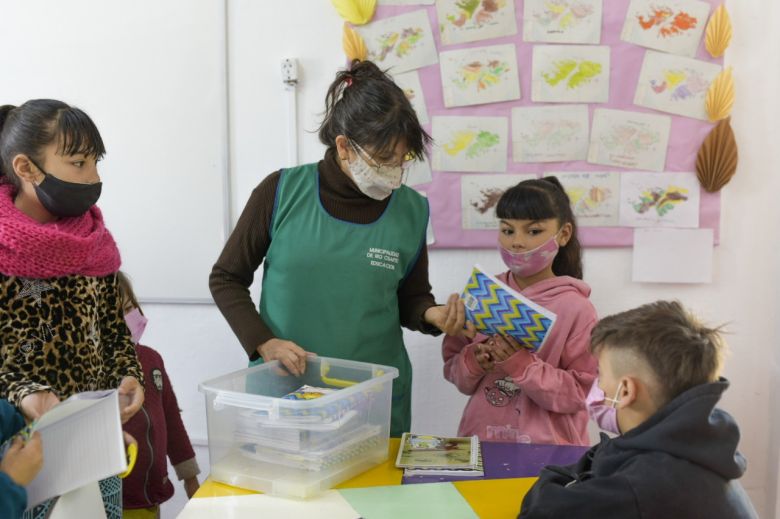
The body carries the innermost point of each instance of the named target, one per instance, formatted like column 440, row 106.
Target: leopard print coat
column 65, row 335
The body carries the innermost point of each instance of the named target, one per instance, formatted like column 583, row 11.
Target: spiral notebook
column 82, row 443
column 497, row 309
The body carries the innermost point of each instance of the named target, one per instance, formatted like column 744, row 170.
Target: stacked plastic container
column 298, row 448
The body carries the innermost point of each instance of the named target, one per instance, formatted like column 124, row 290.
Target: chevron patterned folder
column 496, row 309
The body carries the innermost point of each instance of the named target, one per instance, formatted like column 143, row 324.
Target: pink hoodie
column 531, row 398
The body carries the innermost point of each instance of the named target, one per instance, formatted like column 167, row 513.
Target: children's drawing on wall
column 675, row 84
column 550, row 133
column 672, row 26
column 479, row 75
column 470, row 143
column 594, row 196
column 479, row 195
column 570, row 74
column 409, row 82
column 659, row 199
column 400, row 43
column 629, row 139
column 462, row 21
column 562, row 21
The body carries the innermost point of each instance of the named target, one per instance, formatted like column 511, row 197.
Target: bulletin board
column 507, row 95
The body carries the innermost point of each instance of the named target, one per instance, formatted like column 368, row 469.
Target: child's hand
column 289, row 354
column 191, row 486
column 34, row 405
column 23, row 460
column 451, row 318
column 501, row 348
column 131, row 397
column 484, row 359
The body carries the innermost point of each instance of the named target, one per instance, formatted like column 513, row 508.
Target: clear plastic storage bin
column 298, row 448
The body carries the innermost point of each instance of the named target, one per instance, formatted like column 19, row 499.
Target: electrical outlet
column 290, row 72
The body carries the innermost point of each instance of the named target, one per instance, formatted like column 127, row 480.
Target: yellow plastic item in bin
column 335, row 382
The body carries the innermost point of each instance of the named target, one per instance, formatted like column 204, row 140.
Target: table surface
column 510, row 471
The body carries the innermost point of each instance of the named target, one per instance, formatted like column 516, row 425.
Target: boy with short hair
column 677, row 454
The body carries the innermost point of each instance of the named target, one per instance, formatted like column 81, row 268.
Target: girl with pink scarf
column 61, row 325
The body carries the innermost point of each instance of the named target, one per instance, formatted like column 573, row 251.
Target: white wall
column 198, row 345
column 138, row 68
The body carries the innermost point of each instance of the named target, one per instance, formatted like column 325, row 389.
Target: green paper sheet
column 423, row 500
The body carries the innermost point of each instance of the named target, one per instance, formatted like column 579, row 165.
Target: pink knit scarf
column 80, row 245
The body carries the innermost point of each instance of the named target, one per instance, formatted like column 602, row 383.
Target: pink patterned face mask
column 533, row 261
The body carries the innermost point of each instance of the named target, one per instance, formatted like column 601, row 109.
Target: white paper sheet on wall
column 659, row 199
column 675, row 84
column 479, row 75
column 470, row 144
column 401, row 43
column 673, row 256
column 550, row 133
column 461, row 22
column 673, row 26
column 562, row 21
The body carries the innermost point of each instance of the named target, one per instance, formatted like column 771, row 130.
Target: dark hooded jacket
column 680, row 463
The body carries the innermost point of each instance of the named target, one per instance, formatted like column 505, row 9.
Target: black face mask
column 63, row 198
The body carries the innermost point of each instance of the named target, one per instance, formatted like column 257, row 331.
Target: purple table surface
column 513, row 460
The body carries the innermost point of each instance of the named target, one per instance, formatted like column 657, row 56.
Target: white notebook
column 82, row 443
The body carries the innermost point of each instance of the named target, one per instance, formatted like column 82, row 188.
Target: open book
column 82, row 443
column 439, row 455
column 496, row 309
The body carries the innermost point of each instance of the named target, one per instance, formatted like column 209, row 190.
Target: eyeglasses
column 405, row 164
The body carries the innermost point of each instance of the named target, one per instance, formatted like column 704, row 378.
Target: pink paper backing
column 625, row 63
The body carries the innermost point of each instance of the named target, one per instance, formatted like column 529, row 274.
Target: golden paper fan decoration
column 720, row 96
column 356, row 12
column 718, row 34
column 354, row 46
column 716, row 162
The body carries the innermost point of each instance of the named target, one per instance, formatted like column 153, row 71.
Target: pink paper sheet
column 626, row 60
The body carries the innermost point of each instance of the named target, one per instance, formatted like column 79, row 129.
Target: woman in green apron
column 342, row 242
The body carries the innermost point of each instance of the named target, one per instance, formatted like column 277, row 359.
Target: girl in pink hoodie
column 516, row 395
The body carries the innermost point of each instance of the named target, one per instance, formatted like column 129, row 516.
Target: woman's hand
column 34, row 405
column 289, row 354
column 23, row 460
column 451, row 318
column 131, row 397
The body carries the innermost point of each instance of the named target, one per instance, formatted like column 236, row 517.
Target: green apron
column 331, row 286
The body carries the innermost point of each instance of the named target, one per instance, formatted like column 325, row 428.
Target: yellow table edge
column 494, row 498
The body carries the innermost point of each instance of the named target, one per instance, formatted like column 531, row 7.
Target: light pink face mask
column 136, row 323
column 605, row 415
column 533, row 261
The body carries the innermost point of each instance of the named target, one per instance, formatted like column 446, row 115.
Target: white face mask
column 377, row 182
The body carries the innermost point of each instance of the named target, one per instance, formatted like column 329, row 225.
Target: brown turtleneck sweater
column 248, row 244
